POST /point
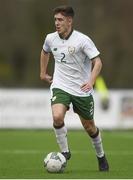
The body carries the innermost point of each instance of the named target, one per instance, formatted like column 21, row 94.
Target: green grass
column 22, row 153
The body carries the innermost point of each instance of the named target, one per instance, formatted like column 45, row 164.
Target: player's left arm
column 97, row 66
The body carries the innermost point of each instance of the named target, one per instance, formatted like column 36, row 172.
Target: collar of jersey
column 66, row 38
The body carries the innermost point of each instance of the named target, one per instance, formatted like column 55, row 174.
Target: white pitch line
column 108, row 152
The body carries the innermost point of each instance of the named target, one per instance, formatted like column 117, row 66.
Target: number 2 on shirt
column 63, row 56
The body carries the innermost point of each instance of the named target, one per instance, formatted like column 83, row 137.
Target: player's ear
column 70, row 19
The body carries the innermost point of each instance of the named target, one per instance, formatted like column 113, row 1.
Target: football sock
column 97, row 144
column 61, row 137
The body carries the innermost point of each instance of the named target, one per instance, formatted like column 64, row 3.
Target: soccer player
column 77, row 65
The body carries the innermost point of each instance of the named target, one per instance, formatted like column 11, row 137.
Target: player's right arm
column 44, row 59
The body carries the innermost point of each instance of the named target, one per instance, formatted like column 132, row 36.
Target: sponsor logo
column 55, row 49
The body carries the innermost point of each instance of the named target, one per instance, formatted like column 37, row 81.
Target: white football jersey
column 73, row 61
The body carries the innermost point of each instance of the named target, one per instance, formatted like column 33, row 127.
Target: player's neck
column 67, row 34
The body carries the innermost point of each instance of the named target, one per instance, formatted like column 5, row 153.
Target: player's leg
column 96, row 139
column 84, row 107
column 60, row 103
column 95, row 135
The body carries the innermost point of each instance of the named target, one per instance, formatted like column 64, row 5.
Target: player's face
column 63, row 24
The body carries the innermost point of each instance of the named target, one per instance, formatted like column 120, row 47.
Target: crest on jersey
column 71, row 49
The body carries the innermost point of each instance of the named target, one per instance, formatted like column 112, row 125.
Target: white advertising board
column 30, row 108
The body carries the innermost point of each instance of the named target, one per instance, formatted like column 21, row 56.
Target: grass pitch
column 22, row 153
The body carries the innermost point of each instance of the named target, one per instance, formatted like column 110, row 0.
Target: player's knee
column 90, row 128
column 58, row 119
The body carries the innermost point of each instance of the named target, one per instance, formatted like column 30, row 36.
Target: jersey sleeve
column 89, row 48
column 46, row 45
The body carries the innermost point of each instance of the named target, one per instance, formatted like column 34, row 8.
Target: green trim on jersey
column 83, row 106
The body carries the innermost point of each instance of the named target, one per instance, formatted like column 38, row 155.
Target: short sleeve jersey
column 73, row 61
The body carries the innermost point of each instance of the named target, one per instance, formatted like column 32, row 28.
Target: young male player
column 77, row 65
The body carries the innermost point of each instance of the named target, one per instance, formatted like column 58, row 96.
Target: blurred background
column 24, row 25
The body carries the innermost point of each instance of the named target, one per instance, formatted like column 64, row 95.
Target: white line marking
column 108, row 152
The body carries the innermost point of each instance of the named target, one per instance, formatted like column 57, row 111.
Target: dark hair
column 64, row 10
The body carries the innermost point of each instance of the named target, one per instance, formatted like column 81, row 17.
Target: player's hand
column 86, row 87
column 46, row 77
